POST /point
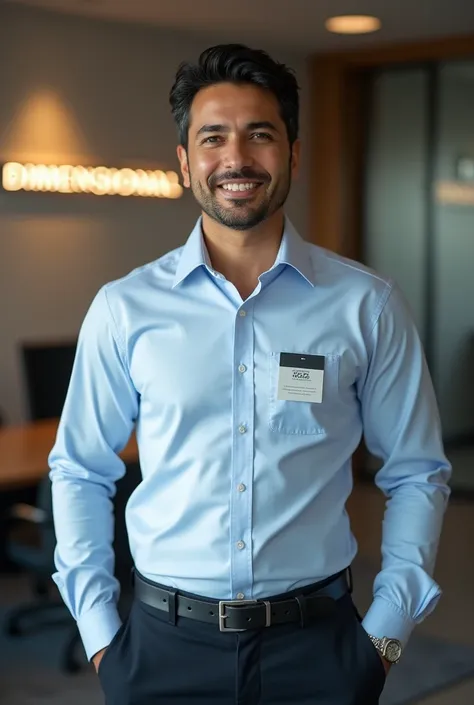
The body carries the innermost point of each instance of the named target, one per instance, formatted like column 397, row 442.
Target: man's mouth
column 239, row 186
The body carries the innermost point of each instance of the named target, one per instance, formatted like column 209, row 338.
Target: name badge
column 301, row 377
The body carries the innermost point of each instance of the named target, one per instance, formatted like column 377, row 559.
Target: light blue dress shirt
column 244, row 494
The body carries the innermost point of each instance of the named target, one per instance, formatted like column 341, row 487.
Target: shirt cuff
column 385, row 620
column 98, row 627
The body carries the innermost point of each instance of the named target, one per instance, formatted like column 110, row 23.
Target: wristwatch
column 391, row 649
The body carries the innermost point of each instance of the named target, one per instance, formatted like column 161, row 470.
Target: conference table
column 24, row 451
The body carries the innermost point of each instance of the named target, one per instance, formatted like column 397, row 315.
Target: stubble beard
column 239, row 215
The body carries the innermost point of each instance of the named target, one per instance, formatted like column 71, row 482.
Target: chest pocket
column 303, row 417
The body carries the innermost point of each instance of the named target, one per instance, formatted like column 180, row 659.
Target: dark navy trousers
column 328, row 662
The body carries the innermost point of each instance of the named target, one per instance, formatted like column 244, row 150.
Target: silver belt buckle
column 240, row 603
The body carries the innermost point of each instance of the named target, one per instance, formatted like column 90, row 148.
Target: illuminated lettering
column 100, row 180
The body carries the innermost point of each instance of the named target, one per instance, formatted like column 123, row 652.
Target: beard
column 241, row 214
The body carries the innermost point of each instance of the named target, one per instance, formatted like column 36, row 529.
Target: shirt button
column 240, row 596
column 243, row 429
column 242, row 369
column 242, row 313
column 240, row 545
column 241, row 487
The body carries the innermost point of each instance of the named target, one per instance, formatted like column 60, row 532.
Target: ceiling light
column 353, row 24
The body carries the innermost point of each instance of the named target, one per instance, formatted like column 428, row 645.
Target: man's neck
column 242, row 256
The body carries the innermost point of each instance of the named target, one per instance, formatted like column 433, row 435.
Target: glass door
column 419, row 225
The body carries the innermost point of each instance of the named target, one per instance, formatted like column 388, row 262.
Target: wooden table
column 24, row 451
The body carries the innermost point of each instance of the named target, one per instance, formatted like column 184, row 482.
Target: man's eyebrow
column 262, row 125
column 212, row 128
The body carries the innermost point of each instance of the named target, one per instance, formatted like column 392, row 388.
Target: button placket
column 242, row 456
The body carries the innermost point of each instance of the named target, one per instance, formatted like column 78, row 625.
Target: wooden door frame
column 338, row 104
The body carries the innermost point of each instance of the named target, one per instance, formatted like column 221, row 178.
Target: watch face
column 393, row 650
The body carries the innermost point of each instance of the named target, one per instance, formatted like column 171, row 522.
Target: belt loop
column 350, row 580
column 301, row 600
column 172, row 607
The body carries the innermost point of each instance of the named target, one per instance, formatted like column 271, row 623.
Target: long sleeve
column 402, row 427
column 97, row 419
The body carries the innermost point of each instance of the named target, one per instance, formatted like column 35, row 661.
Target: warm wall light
column 353, row 24
column 44, row 129
column 100, row 180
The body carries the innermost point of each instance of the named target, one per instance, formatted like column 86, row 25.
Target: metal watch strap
column 377, row 642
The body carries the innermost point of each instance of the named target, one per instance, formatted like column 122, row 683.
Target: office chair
column 38, row 562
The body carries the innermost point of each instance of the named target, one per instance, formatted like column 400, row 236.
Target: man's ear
column 183, row 162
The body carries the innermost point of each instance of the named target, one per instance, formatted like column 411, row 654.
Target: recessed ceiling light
column 353, row 24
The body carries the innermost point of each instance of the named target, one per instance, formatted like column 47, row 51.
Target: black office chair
column 38, row 562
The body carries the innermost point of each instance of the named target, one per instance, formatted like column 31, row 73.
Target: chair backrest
column 47, row 368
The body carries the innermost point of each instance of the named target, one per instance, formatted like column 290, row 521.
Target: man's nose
column 237, row 154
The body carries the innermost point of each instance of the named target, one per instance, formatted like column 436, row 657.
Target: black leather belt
column 241, row 615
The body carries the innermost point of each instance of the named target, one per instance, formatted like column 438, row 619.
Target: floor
column 454, row 617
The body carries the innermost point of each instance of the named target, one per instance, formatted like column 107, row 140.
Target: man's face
column 238, row 164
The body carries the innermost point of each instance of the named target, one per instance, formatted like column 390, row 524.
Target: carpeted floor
column 29, row 673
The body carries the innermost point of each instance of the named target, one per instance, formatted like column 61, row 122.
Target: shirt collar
column 194, row 254
column 294, row 252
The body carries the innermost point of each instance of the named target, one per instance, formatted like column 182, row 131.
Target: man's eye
column 211, row 140
column 262, row 136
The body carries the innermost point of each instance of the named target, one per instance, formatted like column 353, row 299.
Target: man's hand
column 98, row 658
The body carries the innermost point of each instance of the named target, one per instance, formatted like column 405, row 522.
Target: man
column 250, row 363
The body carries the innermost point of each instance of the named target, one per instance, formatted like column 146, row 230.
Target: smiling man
column 251, row 363
column 239, row 165
column 242, row 167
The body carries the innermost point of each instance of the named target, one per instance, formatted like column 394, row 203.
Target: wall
column 79, row 91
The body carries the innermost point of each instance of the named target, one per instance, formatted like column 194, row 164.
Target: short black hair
column 235, row 63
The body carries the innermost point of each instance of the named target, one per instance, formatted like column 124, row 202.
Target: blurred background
column 90, row 190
